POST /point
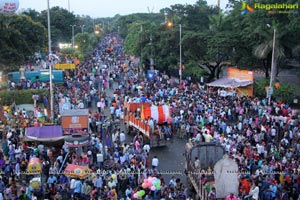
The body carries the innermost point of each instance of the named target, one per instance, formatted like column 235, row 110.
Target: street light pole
column 82, row 26
column 140, row 69
column 73, row 35
column 50, row 63
column 69, row 5
column 272, row 68
column 180, row 56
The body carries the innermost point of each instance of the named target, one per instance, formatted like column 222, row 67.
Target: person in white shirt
column 72, row 186
column 197, row 163
column 254, row 192
column 118, row 113
column 9, row 134
column 114, row 137
column 155, row 162
column 122, row 137
column 99, row 106
column 112, row 111
column 146, row 148
column 198, row 137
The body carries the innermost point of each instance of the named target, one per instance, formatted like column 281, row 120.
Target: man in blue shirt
column 273, row 189
column 77, row 188
column 51, row 180
column 267, row 195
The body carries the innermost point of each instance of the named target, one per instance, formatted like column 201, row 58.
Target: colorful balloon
column 135, row 195
column 139, row 194
column 159, row 182
column 149, row 184
column 153, row 188
column 113, row 176
column 144, row 185
column 9, row 6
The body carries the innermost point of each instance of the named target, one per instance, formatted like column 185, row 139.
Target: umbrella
column 34, row 166
column 77, row 171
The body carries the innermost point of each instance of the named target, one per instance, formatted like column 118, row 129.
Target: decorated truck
column 208, row 166
column 143, row 118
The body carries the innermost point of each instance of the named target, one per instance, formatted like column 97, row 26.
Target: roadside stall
column 238, row 82
column 51, row 135
column 77, row 143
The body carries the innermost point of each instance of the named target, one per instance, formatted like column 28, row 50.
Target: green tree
column 85, row 43
column 61, row 19
column 20, row 38
column 264, row 49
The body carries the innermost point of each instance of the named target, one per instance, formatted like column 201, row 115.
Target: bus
column 34, row 76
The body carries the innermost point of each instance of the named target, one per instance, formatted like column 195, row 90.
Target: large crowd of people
column 263, row 139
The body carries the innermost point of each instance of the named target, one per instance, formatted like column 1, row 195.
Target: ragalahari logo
column 246, row 8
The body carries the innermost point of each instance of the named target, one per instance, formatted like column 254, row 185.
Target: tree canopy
column 20, row 38
column 211, row 38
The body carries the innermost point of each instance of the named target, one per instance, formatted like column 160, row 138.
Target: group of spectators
column 263, row 139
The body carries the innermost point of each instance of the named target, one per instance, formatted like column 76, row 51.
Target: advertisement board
column 75, row 122
column 64, row 66
column 244, row 75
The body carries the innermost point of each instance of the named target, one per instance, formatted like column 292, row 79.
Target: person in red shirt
column 245, row 186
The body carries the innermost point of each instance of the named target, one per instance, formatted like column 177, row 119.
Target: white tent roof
column 229, row 83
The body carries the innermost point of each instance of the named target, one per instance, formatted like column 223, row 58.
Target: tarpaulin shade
column 160, row 114
column 44, row 133
column 34, row 166
column 77, row 171
column 77, row 141
column 229, row 83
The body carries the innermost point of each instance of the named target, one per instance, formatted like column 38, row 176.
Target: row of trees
column 213, row 39
column 22, row 35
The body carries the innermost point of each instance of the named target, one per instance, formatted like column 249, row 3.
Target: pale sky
column 108, row 8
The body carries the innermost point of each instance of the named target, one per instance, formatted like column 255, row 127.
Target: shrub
column 285, row 92
column 20, row 96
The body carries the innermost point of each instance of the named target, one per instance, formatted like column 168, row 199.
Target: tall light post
column 50, row 63
column 180, row 56
column 73, row 35
column 170, row 24
column 82, row 26
column 272, row 66
column 69, row 5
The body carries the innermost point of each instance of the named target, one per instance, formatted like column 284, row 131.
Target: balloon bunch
column 139, row 194
column 152, row 183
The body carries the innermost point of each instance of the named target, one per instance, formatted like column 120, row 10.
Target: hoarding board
column 64, row 66
column 75, row 122
column 244, row 75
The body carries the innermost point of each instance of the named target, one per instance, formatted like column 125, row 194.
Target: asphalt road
column 171, row 159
